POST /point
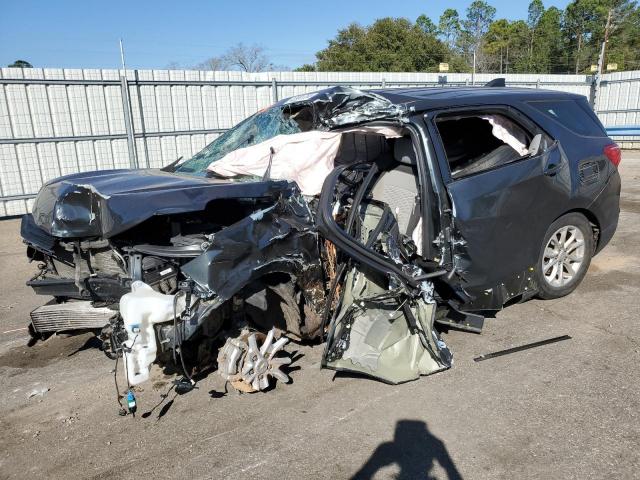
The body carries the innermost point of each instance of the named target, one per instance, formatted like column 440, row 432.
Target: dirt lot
column 566, row 410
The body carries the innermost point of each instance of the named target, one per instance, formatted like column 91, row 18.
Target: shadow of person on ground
column 414, row 450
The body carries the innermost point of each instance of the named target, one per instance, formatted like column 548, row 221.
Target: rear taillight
column 613, row 153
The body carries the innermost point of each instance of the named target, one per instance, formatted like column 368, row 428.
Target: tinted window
column 572, row 116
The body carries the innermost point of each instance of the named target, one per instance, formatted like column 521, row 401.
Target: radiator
column 70, row 316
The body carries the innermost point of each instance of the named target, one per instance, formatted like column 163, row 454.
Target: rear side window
column 571, row 115
column 479, row 141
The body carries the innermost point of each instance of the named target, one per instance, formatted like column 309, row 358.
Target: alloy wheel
column 563, row 256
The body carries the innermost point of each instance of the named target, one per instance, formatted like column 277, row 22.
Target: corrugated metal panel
column 87, row 108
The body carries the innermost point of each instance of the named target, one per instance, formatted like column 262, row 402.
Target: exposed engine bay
column 219, row 261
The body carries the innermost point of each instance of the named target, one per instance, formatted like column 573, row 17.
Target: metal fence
column 57, row 122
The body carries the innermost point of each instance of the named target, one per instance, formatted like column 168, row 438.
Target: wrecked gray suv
column 359, row 218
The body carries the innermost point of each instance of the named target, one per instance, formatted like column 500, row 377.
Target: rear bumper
column 606, row 208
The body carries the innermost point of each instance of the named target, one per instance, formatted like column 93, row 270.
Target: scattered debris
column 521, row 348
column 38, row 391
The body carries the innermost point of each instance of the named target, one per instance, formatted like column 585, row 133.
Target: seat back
column 398, row 187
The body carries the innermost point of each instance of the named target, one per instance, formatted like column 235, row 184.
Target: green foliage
column 389, row 45
column 427, row 25
column 20, row 64
column 307, row 67
column 449, row 26
column 548, row 40
column 479, row 17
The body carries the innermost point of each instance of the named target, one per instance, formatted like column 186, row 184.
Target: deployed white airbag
column 509, row 132
column 306, row 158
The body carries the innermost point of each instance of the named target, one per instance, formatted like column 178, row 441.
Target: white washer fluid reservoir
column 140, row 310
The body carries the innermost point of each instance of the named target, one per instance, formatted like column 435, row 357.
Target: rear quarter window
column 572, row 116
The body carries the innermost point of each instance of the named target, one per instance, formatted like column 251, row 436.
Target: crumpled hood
column 106, row 203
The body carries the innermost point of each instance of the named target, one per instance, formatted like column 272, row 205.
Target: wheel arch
column 593, row 221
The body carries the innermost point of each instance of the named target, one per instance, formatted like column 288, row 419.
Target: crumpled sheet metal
column 341, row 106
column 280, row 238
column 107, row 203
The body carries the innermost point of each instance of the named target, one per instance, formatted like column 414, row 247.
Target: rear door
column 503, row 197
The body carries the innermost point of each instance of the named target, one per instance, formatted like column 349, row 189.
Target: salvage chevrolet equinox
column 360, row 218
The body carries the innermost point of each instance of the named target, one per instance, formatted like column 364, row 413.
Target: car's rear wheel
column 565, row 256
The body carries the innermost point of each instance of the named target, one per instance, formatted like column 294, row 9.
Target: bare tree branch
column 248, row 58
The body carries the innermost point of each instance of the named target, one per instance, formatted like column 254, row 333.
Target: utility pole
column 598, row 79
column 607, row 29
column 473, row 73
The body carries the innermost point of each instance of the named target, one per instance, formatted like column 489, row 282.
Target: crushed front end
column 257, row 244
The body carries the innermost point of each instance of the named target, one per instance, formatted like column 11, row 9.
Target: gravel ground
column 566, row 410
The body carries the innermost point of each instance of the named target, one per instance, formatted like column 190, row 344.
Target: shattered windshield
column 328, row 109
column 255, row 129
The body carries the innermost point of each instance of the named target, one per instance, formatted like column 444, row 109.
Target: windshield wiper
column 172, row 166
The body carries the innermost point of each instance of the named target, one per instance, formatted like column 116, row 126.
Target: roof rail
column 496, row 82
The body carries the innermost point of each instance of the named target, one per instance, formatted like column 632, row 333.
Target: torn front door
column 382, row 324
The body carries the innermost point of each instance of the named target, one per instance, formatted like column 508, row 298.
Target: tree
column 547, row 53
column 246, row 58
column 577, row 23
column 624, row 45
column 535, row 11
column 548, row 40
column 497, row 42
column 588, row 23
column 307, row 67
column 479, row 17
column 427, row 25
column 617, row 14
column 449, row 26
column 389, row 44
column 476, row 24
column 20, row 64
column 345, row 52
column 214, row 64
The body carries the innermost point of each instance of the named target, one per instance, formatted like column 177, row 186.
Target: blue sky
column 84, row 34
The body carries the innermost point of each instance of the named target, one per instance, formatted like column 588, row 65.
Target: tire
column 560, row 270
